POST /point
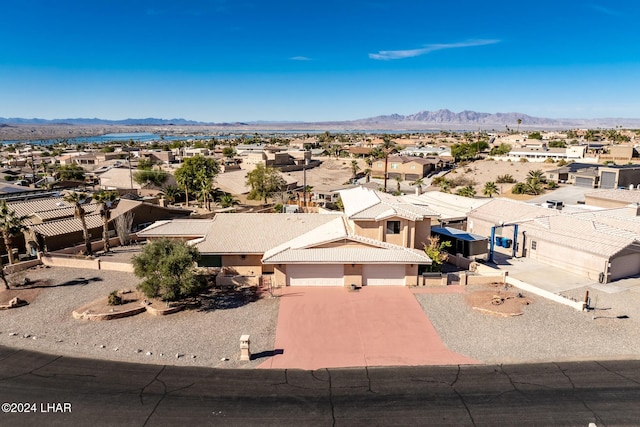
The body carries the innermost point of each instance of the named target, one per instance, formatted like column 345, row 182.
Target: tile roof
column 504, row 210
column 49, row 208
column 303, row 249
column 255, row 233
column 582, row 234
column 363, row 203
column 349, row 255
column 177, row 228
column 67, row 225
column 449, row 206
column 630, row 196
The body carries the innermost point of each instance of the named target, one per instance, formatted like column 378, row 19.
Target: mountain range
column 440, row 119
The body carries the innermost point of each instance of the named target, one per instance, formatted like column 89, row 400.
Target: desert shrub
column 551, row 185
column 462, row 181
column 524, row 160
column 549, row 160
column 168, row 268
column 114, row 298
column 500, row 150
column 562, row 162
column 519, row 188
column 505, row 179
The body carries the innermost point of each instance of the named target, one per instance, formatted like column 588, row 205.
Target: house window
column 534, row 244
column 393, row 227
column 380, row 165
column 394, row 166
column 413, row 166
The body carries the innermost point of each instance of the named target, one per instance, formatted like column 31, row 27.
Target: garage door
column 315, row 275
column 608, row 180
column 385, row 275
column 584, row 182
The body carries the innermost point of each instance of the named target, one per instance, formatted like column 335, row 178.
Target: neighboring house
column 618, row 153
column 601, row 246
column 567, row 173
column 612, row 198
column 452, row 209
column 424, row 151
column 594, row 176
column 122, row 179
column 360, row 151
column 158, row 156
column 53, row 219
column 378, row 241
column 541, row 153
column 387, row 218
column 410, row 168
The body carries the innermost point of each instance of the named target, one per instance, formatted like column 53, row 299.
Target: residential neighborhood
column 392, row 224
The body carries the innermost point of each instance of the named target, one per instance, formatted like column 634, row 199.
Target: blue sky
column 246, row 60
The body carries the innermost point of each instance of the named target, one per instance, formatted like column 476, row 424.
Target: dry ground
column 483, row 171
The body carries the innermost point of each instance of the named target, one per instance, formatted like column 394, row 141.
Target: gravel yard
column 207, row 335
column 545, row 332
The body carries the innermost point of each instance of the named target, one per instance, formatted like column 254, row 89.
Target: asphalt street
column 62, row 391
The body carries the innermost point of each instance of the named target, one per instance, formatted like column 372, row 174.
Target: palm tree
column 536, row 176
column 354, row 168
column 418, row 182
column 171, row 193
column 107, row 200
column 445, row 186
column 11, row 225
column 367, row 174
column 467, row 191
column 519, row 123
column 490, row 188
column 398, row 181
column 387, row 146
column 77, row 200
column 227, row 200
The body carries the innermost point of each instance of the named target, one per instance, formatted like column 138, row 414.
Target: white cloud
column 604, row 10
column 300, row 58
column 386, row 55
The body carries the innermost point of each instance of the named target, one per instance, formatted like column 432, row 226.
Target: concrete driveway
column 375, row 326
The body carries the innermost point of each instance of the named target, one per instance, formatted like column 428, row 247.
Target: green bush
column 168, row 268
column 114, row 298
column 505, row 179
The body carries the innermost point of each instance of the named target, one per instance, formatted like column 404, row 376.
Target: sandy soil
column 483, row 171
column 495, row 299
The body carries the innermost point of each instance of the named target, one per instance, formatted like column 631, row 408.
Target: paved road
column 122, row 394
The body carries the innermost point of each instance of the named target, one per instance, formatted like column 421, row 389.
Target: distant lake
column 148, row 136
column 109, row 137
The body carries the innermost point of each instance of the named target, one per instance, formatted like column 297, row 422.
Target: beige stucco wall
column 353, row 274
column 604, row 203
column 251, row 265
column 279, row 277
column 344, row 243
column 624, row 266
column 411, row 275
column 370, row 229
column 422, row 233
column 578, row 262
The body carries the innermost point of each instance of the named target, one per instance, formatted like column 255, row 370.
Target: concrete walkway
column 375, row 326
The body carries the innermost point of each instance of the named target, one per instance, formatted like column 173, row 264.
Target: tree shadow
column 227, row 298
column 80, row 281
column 268, row 353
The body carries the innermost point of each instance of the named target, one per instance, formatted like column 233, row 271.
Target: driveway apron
column 375, row 326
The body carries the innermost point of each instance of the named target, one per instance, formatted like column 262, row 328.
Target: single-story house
column 601, row 245
column 377, row 241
